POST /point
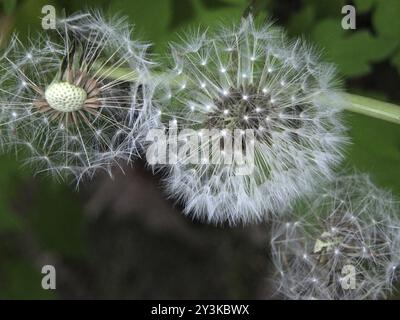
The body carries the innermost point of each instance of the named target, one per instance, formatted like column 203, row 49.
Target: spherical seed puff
column 66, row 107
column 344, row 243
column 251, row 78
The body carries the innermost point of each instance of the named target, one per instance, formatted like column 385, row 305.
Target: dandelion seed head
column 60, row 102
column 338, row 236
column 293, row 153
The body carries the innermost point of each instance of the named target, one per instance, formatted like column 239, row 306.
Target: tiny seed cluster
column 65, row 97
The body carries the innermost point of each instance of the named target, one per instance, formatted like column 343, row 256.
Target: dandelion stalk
column 373, row 108
column 355, row 103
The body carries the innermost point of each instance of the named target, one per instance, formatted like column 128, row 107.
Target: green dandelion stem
column 119, row 74
column 372, row 108
column 355, row 103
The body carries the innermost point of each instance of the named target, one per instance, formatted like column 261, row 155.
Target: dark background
column 120, row 238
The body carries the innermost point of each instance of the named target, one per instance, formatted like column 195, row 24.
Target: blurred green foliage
column 51, row 216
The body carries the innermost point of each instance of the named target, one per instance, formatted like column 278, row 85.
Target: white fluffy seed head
column 252, row 77
column 350, row 236
column 62, row 103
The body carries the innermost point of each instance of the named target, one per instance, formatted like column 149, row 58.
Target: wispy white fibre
column 65, row 105
column 251, row 77
column 344, row 243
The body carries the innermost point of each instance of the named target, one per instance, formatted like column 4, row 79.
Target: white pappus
column 342, row 243
column 65, row 105
column 251, row 77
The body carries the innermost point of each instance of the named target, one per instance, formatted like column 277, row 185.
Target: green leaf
column 151, row 18
column 352, row 52
column 302, row 21
column 212, row 4
column 396, row 61
column 73, row 6
column 28, row 16
column 363, row 5
column 376, row 149
column 386, row 19
column 327, row 8
column 9, row 6
column 182, row 12
column 9, row 221
column 211, row 18
column 204, row 17
column 21, row 280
